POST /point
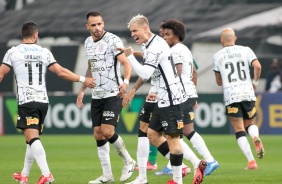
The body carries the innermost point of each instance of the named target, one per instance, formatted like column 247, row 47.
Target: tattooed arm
column 129, row 96
column 80, row 94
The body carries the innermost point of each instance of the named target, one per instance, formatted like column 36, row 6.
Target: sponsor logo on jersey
column 23, row 49
column 180, row 124
column 231, row 110
column 32, row 121
column 192, row 115
column 38, row 93
column 252, row 112
column 100, row 69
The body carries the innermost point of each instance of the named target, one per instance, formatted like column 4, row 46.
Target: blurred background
column 257, row 23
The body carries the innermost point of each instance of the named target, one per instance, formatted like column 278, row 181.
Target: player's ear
column 87, row 27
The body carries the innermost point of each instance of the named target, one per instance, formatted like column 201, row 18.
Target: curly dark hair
column 176, row 26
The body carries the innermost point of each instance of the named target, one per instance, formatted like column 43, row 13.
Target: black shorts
column 188, row 110
column 147, row 111
column 245, row 109
column 167, row 119
column 106, row 111
column 32, row 115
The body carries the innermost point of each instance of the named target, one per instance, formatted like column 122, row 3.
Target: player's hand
column 255, row 87
column 151, row 97
column 128, row 97
column 79, row 99
column 128, row 51
column 195, row 105
column 89, row 82
column 122, row 90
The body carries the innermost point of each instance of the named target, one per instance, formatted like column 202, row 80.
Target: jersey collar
column 147, row 44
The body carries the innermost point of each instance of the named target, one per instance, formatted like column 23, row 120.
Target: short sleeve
column 250, row 55
column 215, row 67
column 7, row 57
column 49, row 57
column 118, row 44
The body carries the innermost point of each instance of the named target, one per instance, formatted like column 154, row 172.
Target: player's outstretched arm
column 257, row 72
column 127, row 74
column 135, row 53
column 80, row 95
column 70, row 76
column 4, row 69
column 129, row 96
column 218, row 78
column 143, row 71
column 195, row 75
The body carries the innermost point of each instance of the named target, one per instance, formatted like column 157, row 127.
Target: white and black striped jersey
column 233, row 64
column 102, row 55
column 182, row 55
column 30, row 62
column 157, row 54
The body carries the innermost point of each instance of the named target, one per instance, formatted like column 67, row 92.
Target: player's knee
column 188, row 129
column 107, row 135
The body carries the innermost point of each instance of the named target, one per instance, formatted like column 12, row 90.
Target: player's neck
column 228, row 44
column 95, row 38
column 28, row 41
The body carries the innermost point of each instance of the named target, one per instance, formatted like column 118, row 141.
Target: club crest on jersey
column 32, row 121
column 252, row 112
column 101, row 47
column 231, row 110
column 180, row 125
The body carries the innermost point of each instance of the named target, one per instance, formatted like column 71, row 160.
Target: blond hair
column 138, row 19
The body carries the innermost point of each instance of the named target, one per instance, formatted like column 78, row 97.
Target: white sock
column 188, row 154
column 168, row 165
column 143, row 150
column 40, row 157
column 245, row 147
column 177, row 174
column 253, row 131
column 200, row 145
column 122, row 151
column 104, row 156
column 28, row 161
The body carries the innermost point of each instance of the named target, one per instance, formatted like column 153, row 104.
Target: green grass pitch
column 73, row 160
